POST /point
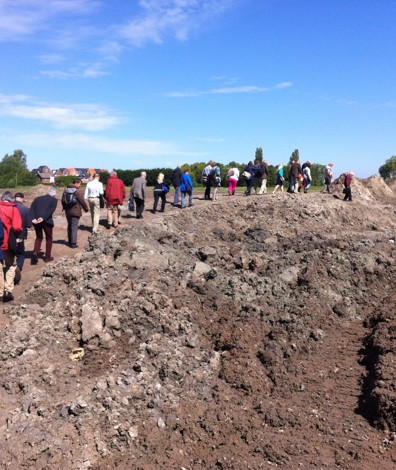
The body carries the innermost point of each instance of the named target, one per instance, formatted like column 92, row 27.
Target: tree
column 258, row 155
column 388, row 169
column 294, row 156
column 14, row 171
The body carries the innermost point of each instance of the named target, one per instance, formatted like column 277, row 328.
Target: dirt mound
column 392, row 184
column 239, row 334
column 369, row 189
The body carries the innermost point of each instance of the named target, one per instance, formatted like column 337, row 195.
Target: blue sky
column 152, row 83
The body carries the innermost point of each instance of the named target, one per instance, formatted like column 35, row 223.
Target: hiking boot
column 8, row 297
column 34, row 258
column 48, row 259
column 18, row 276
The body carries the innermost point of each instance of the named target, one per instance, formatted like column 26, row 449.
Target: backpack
column 259, row 172
column 205, row 174
column 165, row 188
column 69, row 198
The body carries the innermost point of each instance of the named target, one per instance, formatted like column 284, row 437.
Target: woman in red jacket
column 12, row 224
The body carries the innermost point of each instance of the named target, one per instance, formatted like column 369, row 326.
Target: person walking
column 12, row 225
column 215, row 180
column 93, row 193
column 73, row 210
column 232, row 180
column 176, row 182
column 264, row 177
column 19, row 199
column 249, row 170
column 41, row 216
column 306, row 169
column 347, row 186
column 159, row 193
column 138, row 191
column 327, row 177
column 279, row 178
column 114, row 195
column 186, row 188
column 205, row 178
column 295, row 172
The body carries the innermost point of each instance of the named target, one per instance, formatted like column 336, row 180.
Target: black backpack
column 69, row 198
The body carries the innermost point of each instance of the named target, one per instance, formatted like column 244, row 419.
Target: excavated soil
column 251, row 332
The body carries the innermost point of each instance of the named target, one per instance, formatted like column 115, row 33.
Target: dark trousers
column 139, row 203
column 20, row 254
column 207, row 189
column 157, row 196
column 249, row 185
column 41, row 229
column 348, row 194
column 72, row 228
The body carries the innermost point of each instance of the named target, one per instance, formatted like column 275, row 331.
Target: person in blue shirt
column 186, row 188
column 279, row 178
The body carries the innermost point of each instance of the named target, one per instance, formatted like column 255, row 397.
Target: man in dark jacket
column 73, row 212
column 40, row 215
column 19, row 199
column 176, row 180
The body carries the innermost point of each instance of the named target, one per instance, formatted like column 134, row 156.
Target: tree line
column 14, row 171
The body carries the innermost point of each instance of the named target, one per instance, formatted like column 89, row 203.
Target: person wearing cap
column 12, row 224
column 40, row 215
column 327, row 176
column 93, row 191
column 19, row 199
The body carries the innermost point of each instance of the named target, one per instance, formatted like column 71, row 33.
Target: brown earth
column 245, row 333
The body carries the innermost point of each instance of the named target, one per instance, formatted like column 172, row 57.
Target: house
column 44, row 174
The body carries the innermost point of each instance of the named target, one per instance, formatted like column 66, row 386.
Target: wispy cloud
column 102, row 145
column 27, row 17
column 83, row 116
column 229, row 90
column 175, row 18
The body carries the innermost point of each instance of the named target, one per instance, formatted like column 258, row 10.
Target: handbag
column 12, row 241
column 131, row 204
column 101, row 201
column 247, row 175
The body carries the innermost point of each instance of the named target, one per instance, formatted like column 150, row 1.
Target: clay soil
column 247, row 333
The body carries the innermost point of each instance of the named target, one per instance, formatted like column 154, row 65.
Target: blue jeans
column 183, row 198
column 177, row 195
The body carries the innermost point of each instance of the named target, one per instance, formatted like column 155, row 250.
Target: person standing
column 264, row 177
column 114, row 195
column 19, row 199
column 159, row 193
column 93, row 192
column 40, row 215
column 138, row 191
column 176, row 182
column 232, row 179
column 12, row 225
column 73, row 211
column 186, row 188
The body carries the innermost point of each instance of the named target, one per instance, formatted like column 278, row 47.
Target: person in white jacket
column 232, row 179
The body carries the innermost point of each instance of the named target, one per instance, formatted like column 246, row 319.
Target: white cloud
column 83, row 116
column 229, row 90
column 112, row 147
column 170, row 17
column 22, row 18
